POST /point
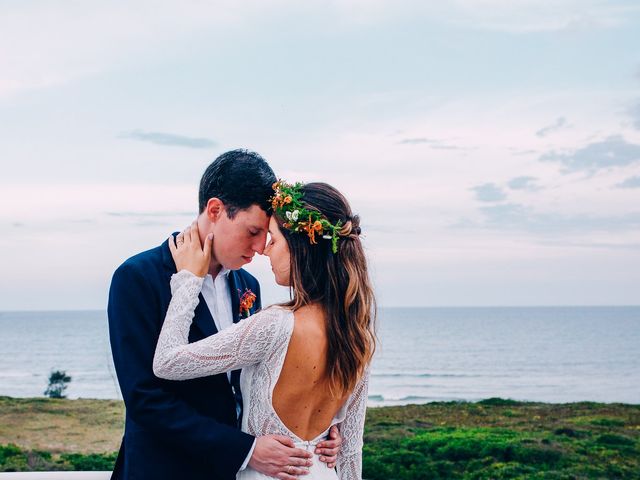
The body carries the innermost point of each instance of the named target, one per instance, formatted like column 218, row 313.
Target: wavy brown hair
column 339, row 282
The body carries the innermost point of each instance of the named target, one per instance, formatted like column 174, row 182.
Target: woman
column 305, row 363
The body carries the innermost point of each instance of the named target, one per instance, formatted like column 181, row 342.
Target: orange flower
column 317, row 226
column 288, row 199
column 277, row 202
column 246, row 302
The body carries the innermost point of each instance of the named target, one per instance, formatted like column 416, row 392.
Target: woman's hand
column 188, row 253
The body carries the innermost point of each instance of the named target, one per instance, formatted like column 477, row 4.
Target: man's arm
column 134, row 325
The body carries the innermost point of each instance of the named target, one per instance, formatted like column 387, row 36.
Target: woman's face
column 277, row 250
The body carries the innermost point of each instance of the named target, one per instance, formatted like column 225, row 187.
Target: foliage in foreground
column 499, row 439
column 14, row 459
column 492, row 439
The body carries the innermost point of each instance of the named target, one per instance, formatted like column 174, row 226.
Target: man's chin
column 241, row 262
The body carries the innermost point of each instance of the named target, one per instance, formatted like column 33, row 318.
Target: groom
column 188, row 429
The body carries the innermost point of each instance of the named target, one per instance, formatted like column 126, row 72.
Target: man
column 189, row 429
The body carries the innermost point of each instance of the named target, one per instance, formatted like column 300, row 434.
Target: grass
column 492, row 439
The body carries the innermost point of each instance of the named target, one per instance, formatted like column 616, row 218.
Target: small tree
column 58, row 381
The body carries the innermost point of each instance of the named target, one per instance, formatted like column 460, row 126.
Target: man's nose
column 259, row 244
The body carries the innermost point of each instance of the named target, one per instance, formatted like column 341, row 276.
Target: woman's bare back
column 301, row 397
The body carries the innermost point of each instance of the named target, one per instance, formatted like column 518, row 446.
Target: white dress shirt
column 217, row 295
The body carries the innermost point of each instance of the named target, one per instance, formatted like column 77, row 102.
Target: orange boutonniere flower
column 246, row 302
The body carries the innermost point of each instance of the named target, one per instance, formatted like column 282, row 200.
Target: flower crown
column 287, row 204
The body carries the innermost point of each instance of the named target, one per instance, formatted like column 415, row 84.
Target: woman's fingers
column 208, row 242
column 172, row 244
column 187, row 235
column 195, row 235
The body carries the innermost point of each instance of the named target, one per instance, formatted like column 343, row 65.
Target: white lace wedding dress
column 258, row 345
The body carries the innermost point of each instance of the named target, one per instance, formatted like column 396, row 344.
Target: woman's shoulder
column 275, row 313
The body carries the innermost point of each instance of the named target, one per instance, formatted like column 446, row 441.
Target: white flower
column 294, row 215
column 327, row 237
column 288, row 215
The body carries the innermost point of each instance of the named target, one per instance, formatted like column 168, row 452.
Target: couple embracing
column 216, row 387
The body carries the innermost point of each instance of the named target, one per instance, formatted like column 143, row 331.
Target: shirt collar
column 224, row 272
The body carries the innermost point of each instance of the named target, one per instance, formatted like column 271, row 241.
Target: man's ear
column 214, row 209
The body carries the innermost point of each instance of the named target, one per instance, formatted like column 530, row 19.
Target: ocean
column 548, row 354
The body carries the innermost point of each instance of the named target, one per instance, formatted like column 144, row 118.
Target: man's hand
column 329, row 449
column 276, row 456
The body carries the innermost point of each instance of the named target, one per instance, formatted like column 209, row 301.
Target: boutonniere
column 246, row 302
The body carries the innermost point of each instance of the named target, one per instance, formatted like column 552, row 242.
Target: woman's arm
column 349, row 464
column 244, row 343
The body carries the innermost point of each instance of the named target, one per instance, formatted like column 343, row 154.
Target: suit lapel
column 202, row 319
column 235, row 284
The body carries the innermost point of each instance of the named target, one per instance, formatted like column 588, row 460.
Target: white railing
column 55, row 475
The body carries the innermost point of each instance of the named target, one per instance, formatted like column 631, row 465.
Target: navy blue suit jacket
column 185, row 429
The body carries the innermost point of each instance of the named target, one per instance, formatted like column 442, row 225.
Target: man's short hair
column 239, row 178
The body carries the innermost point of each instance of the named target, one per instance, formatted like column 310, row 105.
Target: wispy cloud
column 631, row 182
column 151, row 214
column 512, row 216
column 520, row 151
column 432, row 142
column 415, row 141
column 523, row 183
column 634, row 111
column 170, row 139
column 559, row 124
column 529, row 16
column 489, row 192
column 614, row 151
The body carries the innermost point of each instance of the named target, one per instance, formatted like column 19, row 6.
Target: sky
column 491, row 147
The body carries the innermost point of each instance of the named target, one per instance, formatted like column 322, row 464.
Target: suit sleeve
column 134, row 325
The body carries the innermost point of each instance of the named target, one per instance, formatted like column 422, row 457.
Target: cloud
column 529, row 16
column 81, row 41
column 434, row 143
column 151, row 214
column 614, row 151
column 634, row 111
column 523, row 183
column 631, row 182
column 513, row 216
column 415, row 141
column 169, row 139
column 518, row 151
column 559, row 124
column 591, row 245
column 489, row 192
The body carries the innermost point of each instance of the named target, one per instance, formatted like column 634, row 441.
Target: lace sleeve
column 245, row 343
column 349, row 463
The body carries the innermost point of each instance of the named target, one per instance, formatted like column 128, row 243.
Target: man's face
column 236, row 240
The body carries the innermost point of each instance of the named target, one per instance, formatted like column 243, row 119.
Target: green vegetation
column 492, row 439
column 503, row 439
column 14, row 459
column 58, row 382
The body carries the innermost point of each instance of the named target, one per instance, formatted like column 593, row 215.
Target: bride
column 304, row 363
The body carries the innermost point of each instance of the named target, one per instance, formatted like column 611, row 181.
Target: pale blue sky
column 491, row 147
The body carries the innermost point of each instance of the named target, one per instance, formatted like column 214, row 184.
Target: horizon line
column 405, row 307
